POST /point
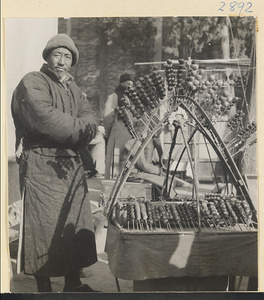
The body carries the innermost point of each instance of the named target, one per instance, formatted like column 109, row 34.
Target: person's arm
column 109, row 113
column 158, row 147
column 86, row 112
column 144, row 165
column 32, row 104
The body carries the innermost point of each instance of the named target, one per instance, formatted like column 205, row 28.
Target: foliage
column 243, row 30
column 200, row 37
column 135, row 36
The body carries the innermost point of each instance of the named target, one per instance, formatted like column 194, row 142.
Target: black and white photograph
column 132, row 154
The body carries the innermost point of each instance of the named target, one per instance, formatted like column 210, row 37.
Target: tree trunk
column 225, row 45
column 158, row 39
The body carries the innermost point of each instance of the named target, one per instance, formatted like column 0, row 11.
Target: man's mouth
column 60, row 69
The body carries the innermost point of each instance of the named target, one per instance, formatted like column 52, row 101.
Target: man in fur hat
column 53, row 123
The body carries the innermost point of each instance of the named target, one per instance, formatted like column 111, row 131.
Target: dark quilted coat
column 54, row 121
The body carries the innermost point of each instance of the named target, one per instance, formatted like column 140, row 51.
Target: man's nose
column 62, row 60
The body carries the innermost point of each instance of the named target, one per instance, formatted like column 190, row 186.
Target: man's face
column 128, row 83
column 59, row 61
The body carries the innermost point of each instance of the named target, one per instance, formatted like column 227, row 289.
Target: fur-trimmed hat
column 61, row 40
column 125, row 77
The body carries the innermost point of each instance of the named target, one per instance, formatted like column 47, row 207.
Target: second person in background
column 116, row 133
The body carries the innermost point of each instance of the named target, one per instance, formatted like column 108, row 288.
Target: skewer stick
column 209, row 224
column 229, row 223
column 202, row 223
column 169, row 226
column 141, row 225
column 225, row 222
column 248, row 226
column 148, row 125
column 231, row 142
column 240, row 150
column 181, row 226
column 239, row 226
column 147, row 225
column 174, row 224
column 251, row 225
column 227, row 135
column 188, row 224
column 141, row 119
column 156, row 224
column 193, row 224
column 245, row 224
column 214, row 224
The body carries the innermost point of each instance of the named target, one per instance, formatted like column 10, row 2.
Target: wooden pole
column 158, row 39
column 103, row 77
column 194, row 178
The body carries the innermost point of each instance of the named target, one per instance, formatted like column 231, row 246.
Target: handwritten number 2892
column 240, row 5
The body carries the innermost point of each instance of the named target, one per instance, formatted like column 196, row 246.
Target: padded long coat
column 54, row 121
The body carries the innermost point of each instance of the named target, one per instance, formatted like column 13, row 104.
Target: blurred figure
column 116, row 133
column 150, row 160
column 145, row 162
column 151, row 164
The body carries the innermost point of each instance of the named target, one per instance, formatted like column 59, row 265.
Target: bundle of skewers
column 142, row 102
column 218, row 212
column 213, row 93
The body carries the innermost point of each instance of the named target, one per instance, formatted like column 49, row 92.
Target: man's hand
column 101, row 129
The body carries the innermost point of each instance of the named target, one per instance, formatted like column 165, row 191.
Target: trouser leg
column 72, row 279
column 43, row 284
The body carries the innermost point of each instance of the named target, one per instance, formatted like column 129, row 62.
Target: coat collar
column 44, row 69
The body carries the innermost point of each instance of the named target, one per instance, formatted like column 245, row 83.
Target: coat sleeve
column 32, row 105
column 86, row 112
column 109, row 113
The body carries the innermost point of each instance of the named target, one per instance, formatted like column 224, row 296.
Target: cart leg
column 235, row 283
column 239, row 282
column 252, row 284
column 117, row 285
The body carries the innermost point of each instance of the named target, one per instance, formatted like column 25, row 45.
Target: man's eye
column 68, row 57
